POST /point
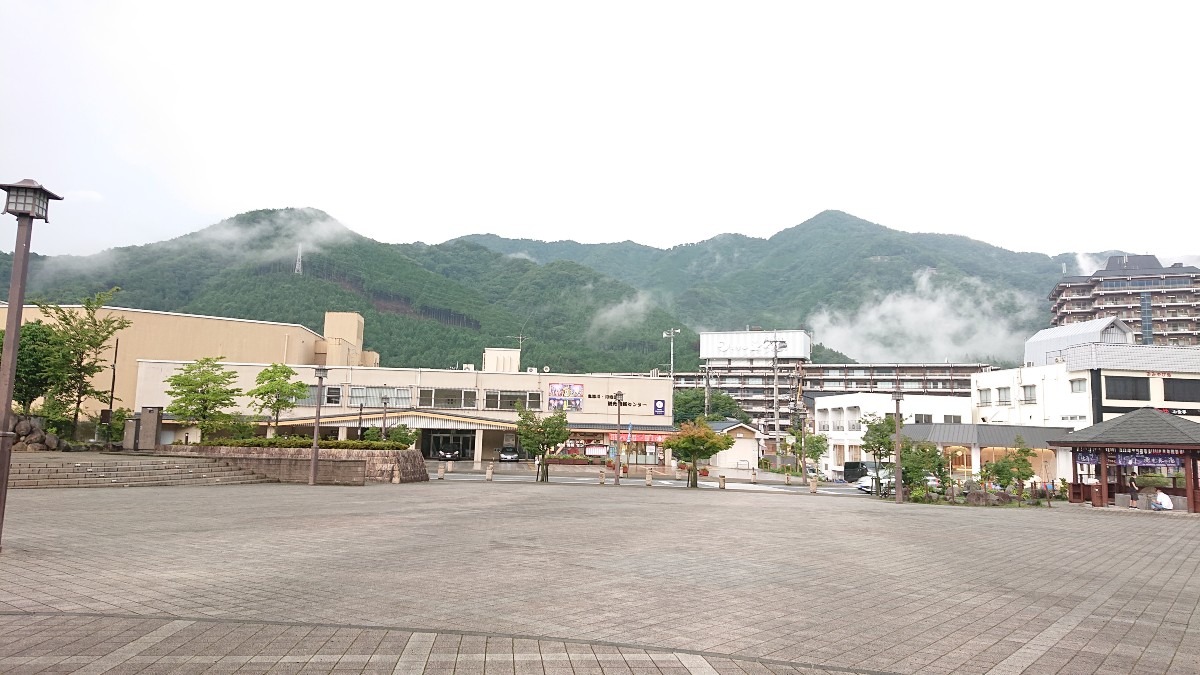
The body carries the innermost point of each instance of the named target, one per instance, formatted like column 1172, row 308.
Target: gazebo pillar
column 1103, row 477
column 1189, row 476
column 976, row 460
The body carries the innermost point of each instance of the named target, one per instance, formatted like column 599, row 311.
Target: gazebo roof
column 1142, row 428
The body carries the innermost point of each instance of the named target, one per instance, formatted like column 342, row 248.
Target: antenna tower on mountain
column 299, row 259
column 521, row 338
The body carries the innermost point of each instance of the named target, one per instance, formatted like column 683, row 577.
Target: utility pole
column 898, row 396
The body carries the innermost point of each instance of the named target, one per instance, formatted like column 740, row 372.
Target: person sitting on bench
column 1162, row 501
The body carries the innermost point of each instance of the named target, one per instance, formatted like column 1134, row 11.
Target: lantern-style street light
column 26, row 200
column 383, row 423
column 321, row 372
column 897, row 474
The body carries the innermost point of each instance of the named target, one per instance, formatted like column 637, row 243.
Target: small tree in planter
column 538, row 435
column 696, row 441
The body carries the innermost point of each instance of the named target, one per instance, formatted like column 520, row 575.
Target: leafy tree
column 41, row 363
column 696, row 441
column 879, row 438
column 201, row 392
column 815, row 446
column 689, row 405
column 919, row 460
column 1014, row 467
column 402, row 434
column 539, row 434
column 84, row 338
column 276, row 392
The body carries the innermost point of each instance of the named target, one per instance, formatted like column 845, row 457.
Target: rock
column 1002, row 498
column 38, row 423
column 977, row 498
column 36, row 447
column 20, row 446
column 23, row 427
column 36, row 436
column 51, row 441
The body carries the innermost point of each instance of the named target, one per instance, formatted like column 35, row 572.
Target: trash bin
column 1097, row 499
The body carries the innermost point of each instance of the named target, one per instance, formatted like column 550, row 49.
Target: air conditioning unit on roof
column 531, row 369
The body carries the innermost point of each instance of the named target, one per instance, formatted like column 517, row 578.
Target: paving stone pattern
column 473, row 577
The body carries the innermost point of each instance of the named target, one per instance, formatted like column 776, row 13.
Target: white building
column 744, row 452
column 1080, row 374
column 839, row 418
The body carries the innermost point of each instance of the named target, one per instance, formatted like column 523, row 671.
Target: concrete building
column 471, row 410
column 745, row 451
column 763, row 371
column 1081, row 384
column 187, row 337
column 1162, row 303
column 839, row 418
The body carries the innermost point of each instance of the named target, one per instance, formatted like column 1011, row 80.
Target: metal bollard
column 753, row 476
column 787, row 479
column 488, row 475
column 441, row 471
column 649, row 477
column 602, row 476
column 721, row 481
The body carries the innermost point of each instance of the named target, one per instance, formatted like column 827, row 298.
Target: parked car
column 509, row 455
column 449, row 452
column 867, row 483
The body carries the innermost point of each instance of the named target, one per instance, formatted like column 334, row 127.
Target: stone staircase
column 128, row 472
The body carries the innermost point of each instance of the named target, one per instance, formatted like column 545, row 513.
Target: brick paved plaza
column 474, row 577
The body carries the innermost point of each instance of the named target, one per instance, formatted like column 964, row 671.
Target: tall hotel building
column 1162, row 304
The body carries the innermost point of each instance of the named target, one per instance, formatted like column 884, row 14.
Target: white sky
column 1040, row 126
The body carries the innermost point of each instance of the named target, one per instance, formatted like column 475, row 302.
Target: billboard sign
column 756, row 344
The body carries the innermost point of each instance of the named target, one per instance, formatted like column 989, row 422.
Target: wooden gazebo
column 1145, row 437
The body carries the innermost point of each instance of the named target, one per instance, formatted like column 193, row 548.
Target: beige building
column 472, row 411
column 187, row 337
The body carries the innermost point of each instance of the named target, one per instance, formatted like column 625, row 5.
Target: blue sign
column 660, row 406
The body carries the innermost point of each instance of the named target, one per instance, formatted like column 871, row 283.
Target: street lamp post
column 897, row 472
column 671, row 333
column 360, row 426
column 801, row 416
column 620, row 398
column 321, row 372
column 26, row 200
column 383, row 422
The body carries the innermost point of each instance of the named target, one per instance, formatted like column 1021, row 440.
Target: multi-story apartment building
column 746, row 365
column 1161, row 303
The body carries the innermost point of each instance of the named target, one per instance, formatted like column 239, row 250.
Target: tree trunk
column 693, row 475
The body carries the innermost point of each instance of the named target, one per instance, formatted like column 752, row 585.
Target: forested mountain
column 425, row 306
column 583, row 307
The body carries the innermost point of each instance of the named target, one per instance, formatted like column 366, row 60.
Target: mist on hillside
column 930, row 323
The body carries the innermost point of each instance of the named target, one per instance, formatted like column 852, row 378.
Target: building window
column 1127, row 388
column 358, row 396
column 1181, row 390
column 1004, row 395
column 1029, row 393
column 446, row 398
column 922, row 419
column 508, row 400
column 985, row 397
column 952, row 419
column 1078, row 386
column 333, row 395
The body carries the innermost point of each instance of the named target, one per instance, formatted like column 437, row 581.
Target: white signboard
column 756, row 344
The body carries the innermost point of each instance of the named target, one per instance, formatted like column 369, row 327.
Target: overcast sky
column 1036, row 126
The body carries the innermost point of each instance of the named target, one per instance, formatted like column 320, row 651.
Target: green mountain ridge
column 577, row 307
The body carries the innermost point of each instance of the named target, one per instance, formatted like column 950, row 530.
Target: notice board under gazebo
column 1146, row 437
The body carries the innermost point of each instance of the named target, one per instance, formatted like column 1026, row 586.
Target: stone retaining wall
column 380, row 466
